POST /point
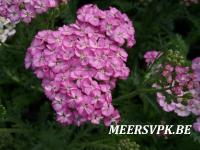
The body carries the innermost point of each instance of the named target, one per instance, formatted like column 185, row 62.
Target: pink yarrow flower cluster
column 80, row 63
column 181, row 89
column 151, row 56
column 25, row 10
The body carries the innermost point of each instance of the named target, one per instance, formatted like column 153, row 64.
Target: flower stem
column 11, row 130
column 134, row 93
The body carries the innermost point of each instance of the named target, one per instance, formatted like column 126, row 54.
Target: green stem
column 9, row 130
column 17, row 80
column 15, row 47
column 134, row 93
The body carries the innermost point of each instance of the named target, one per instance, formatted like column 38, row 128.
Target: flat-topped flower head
column 112, row 23
column 79, row 65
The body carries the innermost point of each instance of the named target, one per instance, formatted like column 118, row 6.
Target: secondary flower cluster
column 151, row 56
column 189, row 2
column 181, row 88
column 7, row 29
column 80, row 63
column 127, row 144
column 25, row 10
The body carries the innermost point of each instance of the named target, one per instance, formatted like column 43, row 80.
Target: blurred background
column 27, row 121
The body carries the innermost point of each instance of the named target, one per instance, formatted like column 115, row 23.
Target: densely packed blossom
column 181, row 89
column 80, row 63
column 7, row 29
column 112, row 23
column 25, row 10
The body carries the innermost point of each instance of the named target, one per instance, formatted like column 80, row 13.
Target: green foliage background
column 27, row 120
